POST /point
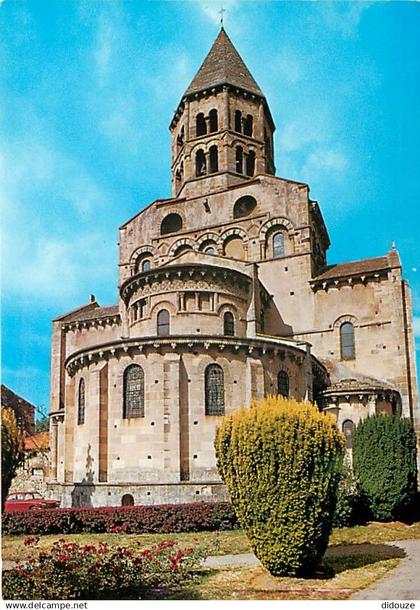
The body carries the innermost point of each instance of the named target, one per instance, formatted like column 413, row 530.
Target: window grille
column 283, row 385
column 133, row 392
column 348, row 429
column 278, row 245
column 214, row 390
column 228, row 324
column 163, row 323
column 347, row 343
column 81, row 405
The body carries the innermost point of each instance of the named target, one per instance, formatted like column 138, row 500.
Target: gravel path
column 403, row 582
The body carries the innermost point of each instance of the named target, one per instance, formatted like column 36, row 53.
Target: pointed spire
column 223, row 65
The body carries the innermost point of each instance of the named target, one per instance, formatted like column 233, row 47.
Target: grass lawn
column 356, row 557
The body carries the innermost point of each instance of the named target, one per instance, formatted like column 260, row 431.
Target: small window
column 239, row 160
column 201, row 128
column 210, row 250
column 228, row 324
column 248, row 124
column 127, row 500
column 163, row 323
column 81, row 403
column 347, row 343
column 182, row 249
column 200, row 163
column 278, row 245
column 214, row 162
column 250, row 163
column 283, row 384
column 180, row 138
column 348, row 429
column 171, row 224
column 238, row 121
column 145, row 266
column 213, row 120
column 133, row 392
column 214, row 390
column 244, row 206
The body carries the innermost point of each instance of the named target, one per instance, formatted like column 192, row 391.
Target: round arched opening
column 127, row 500
column 244, row 206
column 171, row 224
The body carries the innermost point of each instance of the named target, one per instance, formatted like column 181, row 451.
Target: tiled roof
column 223, row 65
column 344, row 379
column 37, row 441
column 92, row 314
column 354, row 268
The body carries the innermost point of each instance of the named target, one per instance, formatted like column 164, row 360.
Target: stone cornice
column 94, row 322
column 176, row 343
column 348, row 280
column 182, row 271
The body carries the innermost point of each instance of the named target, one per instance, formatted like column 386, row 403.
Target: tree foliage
column 384, row 461
column 281, row 462
column 12, row 450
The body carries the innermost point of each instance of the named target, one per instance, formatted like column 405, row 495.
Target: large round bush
column 384, row 461
column 281, row 461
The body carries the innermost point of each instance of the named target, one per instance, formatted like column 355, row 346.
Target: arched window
column 244, row 206
column 163, row 323
column 250, row 163
column 180, row 138
column 81, row 403
column 214, row 390
column 171, row 224
column 133, row 392
column 248, row 124
column 200, row 163
column 239, row 160
column 238, row 121
column 145, row 266
column 347, row 345
column 214, row 162
column 213, row 120
column 283, row 384
column 127, row 500
column 278, row 245
column 210, row 250
column 348, row 429
column 201, row 128
column 228, row 324
column 182, row 249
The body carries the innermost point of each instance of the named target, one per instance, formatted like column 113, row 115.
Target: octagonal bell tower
column 222, row 130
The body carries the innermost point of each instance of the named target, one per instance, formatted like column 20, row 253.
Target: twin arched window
column 163, row 323
column 214, row 390
column 201, row 123
column 347, row 343
column 133, row 392
column 81, row 403
column 283, row 384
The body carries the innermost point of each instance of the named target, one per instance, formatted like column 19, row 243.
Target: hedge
column 384, row 461
column 164, row 518
column 281, row 461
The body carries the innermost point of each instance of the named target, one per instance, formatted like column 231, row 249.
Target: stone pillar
column 68, row 426
column 54, row 447
column 171, row 427
column 103, row 424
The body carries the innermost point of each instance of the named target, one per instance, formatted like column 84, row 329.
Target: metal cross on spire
column 222, row 10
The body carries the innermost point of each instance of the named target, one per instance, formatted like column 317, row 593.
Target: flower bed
column 71, row 571
column 164, row 518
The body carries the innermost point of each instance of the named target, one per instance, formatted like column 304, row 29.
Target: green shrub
column 384, row 461
column 72, row 571
column 349, row 509
column 280, row 461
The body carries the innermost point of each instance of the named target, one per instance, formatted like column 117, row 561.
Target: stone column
column 171, row 408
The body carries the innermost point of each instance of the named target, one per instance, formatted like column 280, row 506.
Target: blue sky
column 87, row 94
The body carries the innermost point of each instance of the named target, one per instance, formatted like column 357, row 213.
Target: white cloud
column 416, row 326
column 343, row 17
column 324, row 160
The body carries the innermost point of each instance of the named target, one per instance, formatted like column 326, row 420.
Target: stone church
column 225, row 295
